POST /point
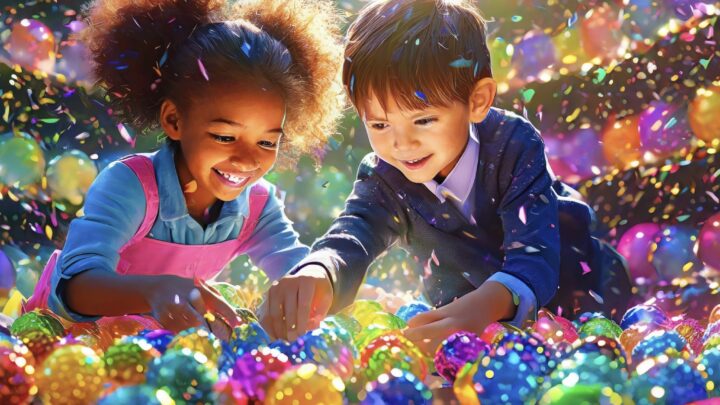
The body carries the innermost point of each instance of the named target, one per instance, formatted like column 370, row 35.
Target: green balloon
column 25, row 280
column 69, row 177
column 36, row 321
column 21, row 161
column 579, row 394
column 600, row 327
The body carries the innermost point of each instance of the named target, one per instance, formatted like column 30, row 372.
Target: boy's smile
column 422, row 144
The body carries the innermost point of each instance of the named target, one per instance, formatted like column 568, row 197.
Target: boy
column 465, row 187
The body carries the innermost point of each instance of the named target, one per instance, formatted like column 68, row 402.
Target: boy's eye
column 425, row 121
column 378, row 125
column 268, row 144
column 223, row 138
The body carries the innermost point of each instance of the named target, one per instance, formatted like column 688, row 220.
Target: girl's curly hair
column 145, row 51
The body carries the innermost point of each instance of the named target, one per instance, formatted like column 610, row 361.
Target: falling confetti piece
column 125, row 134
column 202, row 69
column 461, row 63
column 596, row 297
column 585, row 268
column 419, row 94
column 522, row 216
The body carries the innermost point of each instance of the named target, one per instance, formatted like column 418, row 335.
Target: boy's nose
column 404, row 142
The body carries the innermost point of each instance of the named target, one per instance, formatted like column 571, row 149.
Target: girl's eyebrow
column 227, row 121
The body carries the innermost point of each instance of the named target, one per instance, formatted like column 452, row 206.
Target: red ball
column 17, row 382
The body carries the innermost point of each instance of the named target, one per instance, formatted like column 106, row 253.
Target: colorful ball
column 535, row 53
column 127, row 360
column 184, row 374
column 127, row 325
column 362, row 309
column 457, row 350
column 390, row 351
column 397, row 387
column 621, row 141
column 32, row 45
column 201, row 341
column 702, row 112
column 659, row 342
column 72, row 374
column 709, row 364
column 635, row 247
column 644, row 18
column 633, row 335
column 582, row 393
column 580, row 150
column 37, row 320
column 602, row 345
column 601, row 33
column 643, row 314
column 600, row 327
column 667, row 380
column 341, row 321
column 306, row 384
column 554, row 329
column 386, row 319
column 325, row 348
column 692, row 331
column 409, row 310
column 23, row 160
column 674, row 255
column 257, row 370
column 709, row 242
column 711, row 330
column 228, row 391
column 248, row 337
column 158, row 338
column 69, row 177
column 663, row 129
column 136, row 394
column 17, row 380
column 593, row 368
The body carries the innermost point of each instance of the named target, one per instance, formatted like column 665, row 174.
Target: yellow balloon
column 69, row 177
column 307, row 384
column 621, row 141
column 703, row 113
column 72, row 374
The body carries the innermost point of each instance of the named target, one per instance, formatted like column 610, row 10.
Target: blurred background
column 624, row 92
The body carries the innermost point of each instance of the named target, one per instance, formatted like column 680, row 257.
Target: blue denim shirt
column 115, row 207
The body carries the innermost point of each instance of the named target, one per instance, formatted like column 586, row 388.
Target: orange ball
column 702, row 114
column 621, row 140
column 631, row 336
column 32, row 45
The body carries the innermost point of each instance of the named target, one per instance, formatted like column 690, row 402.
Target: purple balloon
column 578, row 150
column 7, row 272
column 635, row 246
column 709, row 242
column 533, row 54
column 664, row 128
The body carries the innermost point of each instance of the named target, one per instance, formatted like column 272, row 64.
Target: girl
column 231, row 87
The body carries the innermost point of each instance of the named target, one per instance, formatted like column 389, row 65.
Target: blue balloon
column 159, row 339
column 183, row 376
column 643, row 313
column 710, row 363
column 134, row 394
column 397, row 387
column 675, row 251
column 248, row 337
column 659, row 342
column 668, row 381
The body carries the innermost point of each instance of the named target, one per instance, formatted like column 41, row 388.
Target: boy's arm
column 529, row 214
column 370, row 223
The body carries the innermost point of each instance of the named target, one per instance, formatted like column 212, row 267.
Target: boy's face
column 422, row 144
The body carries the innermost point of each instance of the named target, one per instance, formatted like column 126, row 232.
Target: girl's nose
column 244, row 162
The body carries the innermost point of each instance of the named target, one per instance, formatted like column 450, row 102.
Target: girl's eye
column 268, row 144
column 425, row 121
column 223, row 138
column 378, row 125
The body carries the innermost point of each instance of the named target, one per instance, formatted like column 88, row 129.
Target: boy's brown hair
column 423, row 52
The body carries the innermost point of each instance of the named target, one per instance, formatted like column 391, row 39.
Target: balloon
column 397, row 387
column 581, row 393
column 669, row 343
column 599, row 327
column 635, row 246
column 391, row 351
column 127, row 360
column 411, row 309
column 7, row 272
column 32, row 45
column 306, row 384
column 248, row 337
column 683, row 8
column 668, row 381
column 709, row 362
column 674, row 254
column 580, row 150
column 184, row 374
column 256, row 371
column 21, row 161
column 17, row 380
column 692, row 331
column 457, row 350
column 709, row 242
column 72, row 62
column 198, row 340
column 633, row 335
column 229, row 392
column 644, row 314
column 569, row 47
column 72, row 374
column 128, row 325
column 664, row 129
column 702, row 114
column 601, row 34
column 501, row 53
column 644, row 18
column 621, row 141
column 134, row 394
column 533, row 54
column 69, row 177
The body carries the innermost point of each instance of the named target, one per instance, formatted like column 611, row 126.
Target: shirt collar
column 172, row 201
column 459, row 183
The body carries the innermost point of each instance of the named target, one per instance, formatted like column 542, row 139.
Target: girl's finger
column 304, row 304
column 277, row 317
column 290, row 310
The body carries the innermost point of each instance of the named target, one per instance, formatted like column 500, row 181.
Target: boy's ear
column 170, row 119
column 481, row 98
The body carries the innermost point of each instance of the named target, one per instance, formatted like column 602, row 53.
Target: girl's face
column 228, row 138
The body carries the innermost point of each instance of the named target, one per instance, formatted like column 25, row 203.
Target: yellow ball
column 72, row 374
column 201, row 341
column 703, row 112
column 307, row 384
column 69, row 177
column 21, row 160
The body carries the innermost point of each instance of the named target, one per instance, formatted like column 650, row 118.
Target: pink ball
column 709, row 242
column 664, row 129
column 635, row 246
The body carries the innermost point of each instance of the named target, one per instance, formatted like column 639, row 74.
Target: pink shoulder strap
column 257, row 200
column 143, row 168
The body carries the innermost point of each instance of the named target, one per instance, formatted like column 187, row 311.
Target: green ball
column 21, row 161
column 180, row 373
column 600, row 327
column 36, row 321
column 580, row 394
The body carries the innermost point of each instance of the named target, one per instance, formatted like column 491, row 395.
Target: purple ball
column 635, row 245
column 7, row 272
column 533, row 54
column 457, row 350
column 664, row 128
column 578, row 150
column 159, row 338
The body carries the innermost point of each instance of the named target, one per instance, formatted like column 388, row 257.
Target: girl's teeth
column 230, row 177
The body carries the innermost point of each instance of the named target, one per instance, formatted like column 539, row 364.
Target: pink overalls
column 143, row 255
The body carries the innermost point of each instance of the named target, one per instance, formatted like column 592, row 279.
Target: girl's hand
column 472, row 312
column 176, row 303
column 296, row 303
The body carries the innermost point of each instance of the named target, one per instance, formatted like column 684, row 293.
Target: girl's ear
column 170, row 119
column 481, row 98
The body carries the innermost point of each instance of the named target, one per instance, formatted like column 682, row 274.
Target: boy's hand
column 472, row 312
column 296, row 303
